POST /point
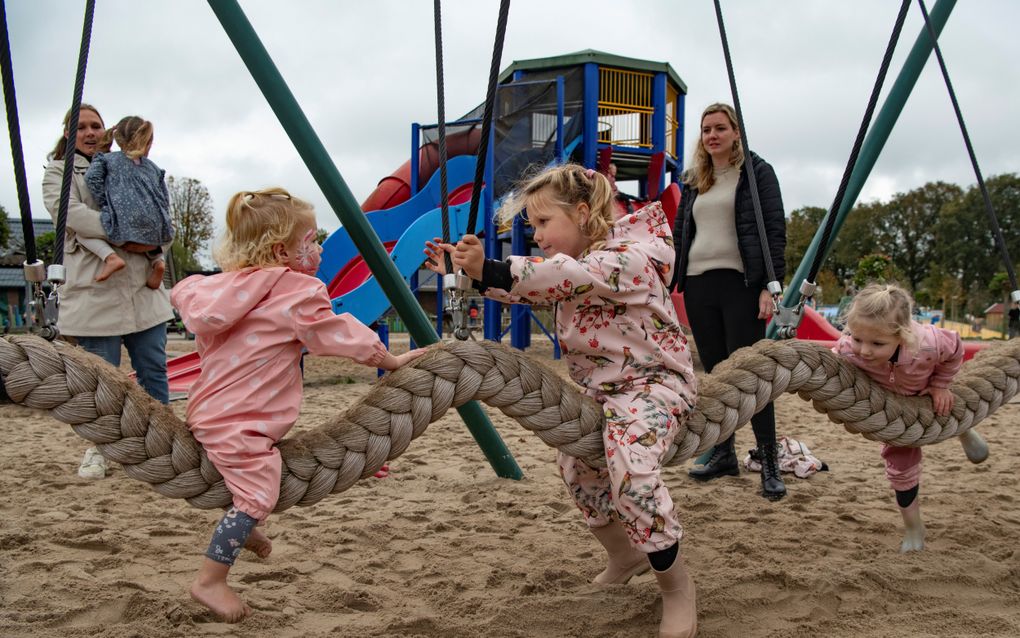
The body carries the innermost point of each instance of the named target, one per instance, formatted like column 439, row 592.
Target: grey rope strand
column 72, row 132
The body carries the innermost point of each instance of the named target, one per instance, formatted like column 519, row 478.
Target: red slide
column 356, row 272
column 396, row 187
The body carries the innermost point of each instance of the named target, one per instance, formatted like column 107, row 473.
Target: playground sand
column 444, row 548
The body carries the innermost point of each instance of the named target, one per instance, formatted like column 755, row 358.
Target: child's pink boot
column 625, row 562
column 913, row 535
column 679, row 605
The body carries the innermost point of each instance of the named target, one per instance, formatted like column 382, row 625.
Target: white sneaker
column 93, row 465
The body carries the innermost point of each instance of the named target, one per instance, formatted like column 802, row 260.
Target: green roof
column 598, row 57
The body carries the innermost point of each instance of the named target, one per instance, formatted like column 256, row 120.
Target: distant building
column 14, row 290
column 995, row 316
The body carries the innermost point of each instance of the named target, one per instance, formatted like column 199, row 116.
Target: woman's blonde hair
column 885, row 306
column 566, row 186
column 61, row 146
column 256, row 222
column 700, row 174
column 133, row 135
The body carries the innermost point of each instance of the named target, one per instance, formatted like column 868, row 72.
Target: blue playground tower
column 609, row 109
column 589, row 107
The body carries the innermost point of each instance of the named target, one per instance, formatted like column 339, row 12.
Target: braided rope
column 105, row 407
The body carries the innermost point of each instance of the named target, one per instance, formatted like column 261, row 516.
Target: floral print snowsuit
column 619, row 332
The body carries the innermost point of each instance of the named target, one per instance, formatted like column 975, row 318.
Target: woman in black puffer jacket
column 721, row 269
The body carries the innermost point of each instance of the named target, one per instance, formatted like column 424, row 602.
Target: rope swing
column 105, row 407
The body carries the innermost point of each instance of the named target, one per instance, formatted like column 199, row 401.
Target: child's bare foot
column 220, row 599
column 259, row 543
column 111, row 264
column 155, row 279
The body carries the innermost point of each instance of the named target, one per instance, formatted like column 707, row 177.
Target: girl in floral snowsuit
column 619, row 332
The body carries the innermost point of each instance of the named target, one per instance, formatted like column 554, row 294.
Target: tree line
column 936, row 240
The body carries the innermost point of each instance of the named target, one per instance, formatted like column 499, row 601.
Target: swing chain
column 456, row 287
column 43, row 309
column 788, row 319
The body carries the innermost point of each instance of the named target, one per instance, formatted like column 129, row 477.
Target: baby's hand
column 435, row 251
column 392, row 361
column 942, row 399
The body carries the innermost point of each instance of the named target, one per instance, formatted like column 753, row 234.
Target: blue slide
column 409, row 225
column 338, row 250
column 367, row 302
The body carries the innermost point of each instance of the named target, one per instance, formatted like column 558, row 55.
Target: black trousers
column 724, row 317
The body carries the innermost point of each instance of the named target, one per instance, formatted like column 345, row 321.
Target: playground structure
column 629, row 111
column 588, row 107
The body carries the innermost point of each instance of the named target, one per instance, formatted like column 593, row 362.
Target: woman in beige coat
column 102, row 315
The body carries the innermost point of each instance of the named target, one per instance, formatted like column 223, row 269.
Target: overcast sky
column 363, row 71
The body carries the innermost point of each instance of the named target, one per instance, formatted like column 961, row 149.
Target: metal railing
column 625, row 107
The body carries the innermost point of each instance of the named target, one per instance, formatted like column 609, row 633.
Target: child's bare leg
column 155, row 279
column 210, row 586
column 111, row 264
column 259, row 542
column 910, row 509
column 211, row 590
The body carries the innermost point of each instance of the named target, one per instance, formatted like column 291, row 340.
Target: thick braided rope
column 105, row 407
column 745, row 382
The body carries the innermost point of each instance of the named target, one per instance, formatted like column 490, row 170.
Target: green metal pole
column 325, row 172
column 873, row 143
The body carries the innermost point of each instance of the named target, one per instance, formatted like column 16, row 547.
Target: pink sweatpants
column 902, row 466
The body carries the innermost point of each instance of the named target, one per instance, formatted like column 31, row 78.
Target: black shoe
column 722, row 463
column 772, row 486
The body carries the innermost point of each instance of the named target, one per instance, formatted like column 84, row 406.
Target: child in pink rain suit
column 618, row 330
column 251, row 323
column 907, row 358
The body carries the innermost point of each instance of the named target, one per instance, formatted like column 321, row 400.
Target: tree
column 801, row 227
column 5, row 229
column 321, row 235
column 858, row 237
column 45, row 245
column 909, row 226
column 192, row 212
column 967, row 247
column 875, row 268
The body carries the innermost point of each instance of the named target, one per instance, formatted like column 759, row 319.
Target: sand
column 445, row 548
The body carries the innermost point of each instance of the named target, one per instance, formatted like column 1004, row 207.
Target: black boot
column 772, row 486
column 722, row 463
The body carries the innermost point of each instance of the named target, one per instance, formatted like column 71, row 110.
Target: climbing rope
column 444, row 196
column 14, row 132
column 72, row 131
column 810, row 283
column 105, row 407
column 490, row 100
column 774, row 287
column 1000, row 242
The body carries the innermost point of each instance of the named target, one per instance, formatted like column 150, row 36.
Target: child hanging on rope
column 251, row 322
column 907, row 358
column 618, row 330
column 132, row 195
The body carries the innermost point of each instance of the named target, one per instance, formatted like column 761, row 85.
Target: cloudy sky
column 363, row 71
